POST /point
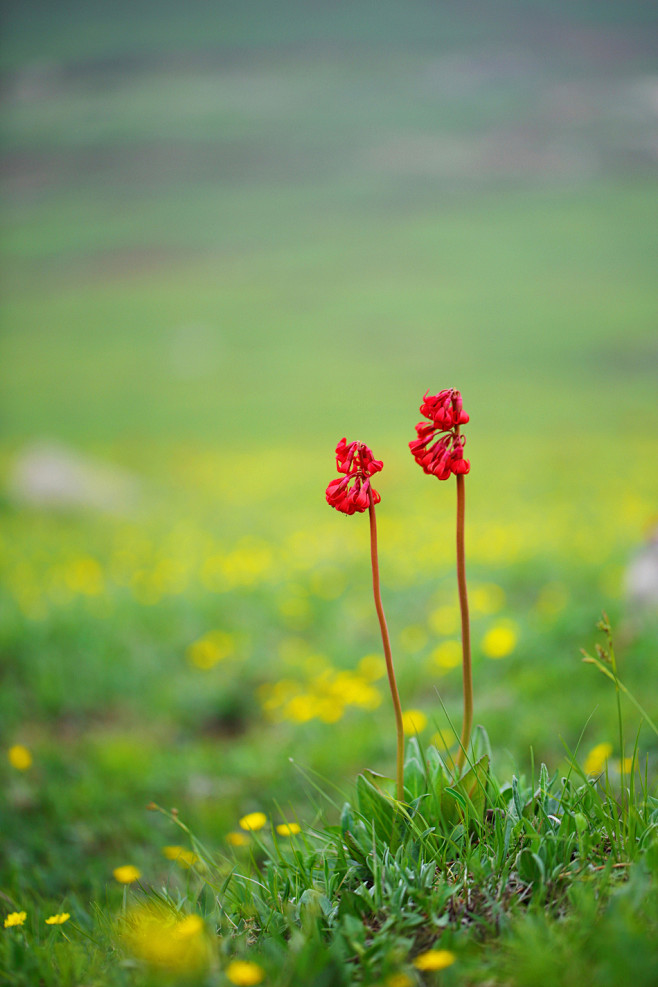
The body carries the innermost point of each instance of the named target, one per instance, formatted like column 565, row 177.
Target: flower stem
column 387, row 651
column 466, row 628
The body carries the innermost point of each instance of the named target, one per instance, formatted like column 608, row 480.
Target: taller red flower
column 439, row 448
column 351, row 493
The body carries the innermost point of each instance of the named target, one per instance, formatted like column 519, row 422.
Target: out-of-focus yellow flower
column 372, row 667
column 434, row 959
column 15, row 918
column 248, row 564
column 237, row 839
column 349, row 688
column 330, row 710
column 444, row 739
column 487, row 599
column 186, row 858
column 413, row 721
column 500, row 640
column 288, row 829
column 301, row 709
column 444, row 620
column 210, row 649
column 58, row 919
column 253, row 821
column 19, row 757
column 413, row 638
column 127, row 873
column 166, row 941
column 84, row 575
column 448, row 654
column 596, row 759
column 243, row 973
column 400, row 979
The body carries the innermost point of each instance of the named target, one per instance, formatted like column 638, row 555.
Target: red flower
column 351, row 493
column 439, row 448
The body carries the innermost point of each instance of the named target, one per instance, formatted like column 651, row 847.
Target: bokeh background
column 233, row 233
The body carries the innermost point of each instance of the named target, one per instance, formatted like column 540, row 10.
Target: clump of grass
column 464, row 877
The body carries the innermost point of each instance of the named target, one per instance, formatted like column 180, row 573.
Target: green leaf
column 379, row 808
column 473, row 785
column 530, row 868
column 457, row 796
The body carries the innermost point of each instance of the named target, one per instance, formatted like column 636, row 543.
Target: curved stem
column 387, row 651
column 466, row 628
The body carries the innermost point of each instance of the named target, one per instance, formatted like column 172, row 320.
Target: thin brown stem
column 387, row 651
column 466, row 628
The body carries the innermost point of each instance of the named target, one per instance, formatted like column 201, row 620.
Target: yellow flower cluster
column 213, row 647
column 152, row 561
column 15, row 918
column 186, row 858
column 325, row 695
column 597, row 758
column 19, row 918
column 167, row 941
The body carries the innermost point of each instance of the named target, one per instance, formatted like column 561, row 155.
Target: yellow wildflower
column 127, row 874
column 243, row 973
column 15, row 918
column 288, row 829
column 211, row 649
column 186, row 858
column 19, row 757
column 413, row 638
column 413, row 721
column 58, row 919
column 166, row 941
column 500, row 640
column 237, row 839
column 372, row 667
column 448, row 654
column 400, row 979
column 488, row 598
column 596, row 759
column 444, row 620
column 253, row 821
column 434, row 959
column 444, row 739
column 85, row 576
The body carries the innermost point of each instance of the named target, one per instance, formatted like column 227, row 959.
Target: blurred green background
column 233, row 233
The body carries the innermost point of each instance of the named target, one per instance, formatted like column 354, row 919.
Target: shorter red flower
column 351, row 493
column 439, row 448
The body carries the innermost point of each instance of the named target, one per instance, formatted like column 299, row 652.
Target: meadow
column 229, row 240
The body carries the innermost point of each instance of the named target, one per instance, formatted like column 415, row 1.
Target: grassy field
column 229, row 239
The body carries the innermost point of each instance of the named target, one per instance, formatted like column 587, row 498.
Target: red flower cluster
column 445, row 456
column 351, row 493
